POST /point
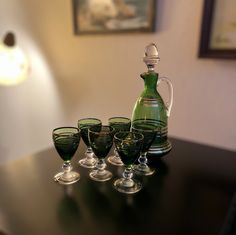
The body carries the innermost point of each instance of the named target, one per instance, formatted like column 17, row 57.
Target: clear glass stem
column 89, row 153
column 66, row 168
column 143, row 160
column 128, row 174
column 116, row 155
column 101, row 165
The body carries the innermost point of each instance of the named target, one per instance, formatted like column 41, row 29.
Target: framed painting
column 218, row 32
column 113, row 16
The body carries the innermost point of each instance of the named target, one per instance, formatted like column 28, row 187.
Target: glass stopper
column 151, row 57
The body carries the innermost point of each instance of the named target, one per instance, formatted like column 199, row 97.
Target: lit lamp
column 14, row 65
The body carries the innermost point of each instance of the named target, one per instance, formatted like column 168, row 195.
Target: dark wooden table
column 191, row 193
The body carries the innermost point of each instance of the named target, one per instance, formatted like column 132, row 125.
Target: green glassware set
column 144, row 137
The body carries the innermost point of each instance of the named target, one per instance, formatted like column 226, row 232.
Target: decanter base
column 159, row 150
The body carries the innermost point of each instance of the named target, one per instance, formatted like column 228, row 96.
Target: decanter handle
column 170, row 88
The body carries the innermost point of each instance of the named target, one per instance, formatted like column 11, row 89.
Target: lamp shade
column 14, row 65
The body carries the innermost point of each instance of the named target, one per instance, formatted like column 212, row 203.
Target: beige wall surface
column 98, row 75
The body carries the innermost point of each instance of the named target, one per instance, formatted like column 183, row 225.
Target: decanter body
column 150, row 105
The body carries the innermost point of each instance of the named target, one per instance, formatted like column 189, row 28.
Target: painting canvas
column 113, row 16
column 218, row 33
column 224, row 25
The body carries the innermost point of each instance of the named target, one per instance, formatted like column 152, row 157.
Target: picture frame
column 113, row 16
column 218, row 31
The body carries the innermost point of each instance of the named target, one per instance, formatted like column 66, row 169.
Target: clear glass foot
column 127, row 187
column 67, row 176
column 100, row 174
column 127, row 184
column 89, row 161
column 115, row 159
column 107, row 175
column 142, row 168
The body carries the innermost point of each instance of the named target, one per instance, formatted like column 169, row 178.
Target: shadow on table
column 107, row 206
column 68, row 210
column 3, row 233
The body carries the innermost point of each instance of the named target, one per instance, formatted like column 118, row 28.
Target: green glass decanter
column 150, row 105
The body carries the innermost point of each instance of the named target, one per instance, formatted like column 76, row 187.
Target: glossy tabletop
column 190, row 193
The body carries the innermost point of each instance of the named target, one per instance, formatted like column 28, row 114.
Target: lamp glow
column 14, row 65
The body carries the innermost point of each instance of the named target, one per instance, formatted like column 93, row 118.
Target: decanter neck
column 150, row 80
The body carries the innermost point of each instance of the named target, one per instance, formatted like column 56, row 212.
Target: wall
column 78, row 76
